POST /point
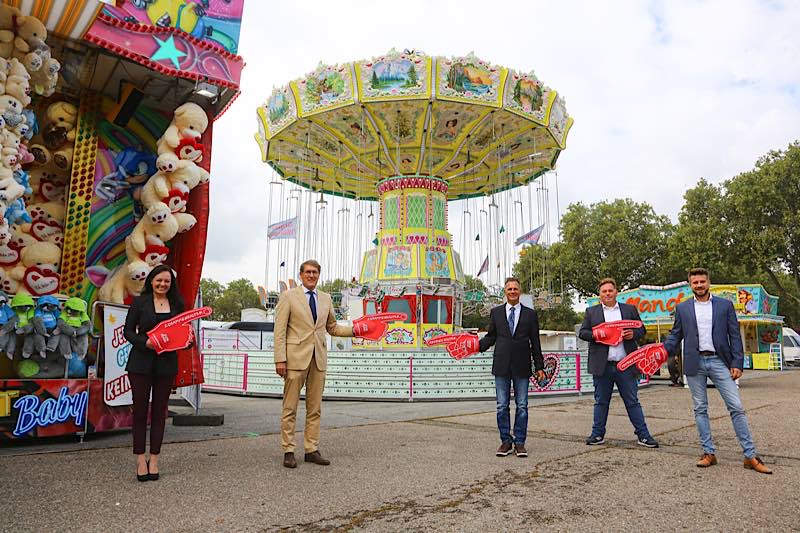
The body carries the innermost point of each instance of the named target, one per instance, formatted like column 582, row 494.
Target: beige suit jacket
column 297, row 337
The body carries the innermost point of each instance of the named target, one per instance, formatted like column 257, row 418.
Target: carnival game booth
column 757, row 311
column 107, row 117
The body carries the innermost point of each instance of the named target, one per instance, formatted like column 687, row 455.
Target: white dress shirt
column 517, row 309
column 615, row 353
column 704, row 312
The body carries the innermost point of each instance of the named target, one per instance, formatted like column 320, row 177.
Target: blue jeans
column 628, row 386
column 502, row 385
column 714, row 369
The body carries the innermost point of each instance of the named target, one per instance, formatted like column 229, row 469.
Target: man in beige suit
column 302, row 317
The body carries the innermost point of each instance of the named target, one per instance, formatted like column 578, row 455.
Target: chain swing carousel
column 394, row 141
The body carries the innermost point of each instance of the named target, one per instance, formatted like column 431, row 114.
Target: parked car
column 791, row 346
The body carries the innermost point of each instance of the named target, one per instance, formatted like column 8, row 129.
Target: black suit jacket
column 598, row 353
column 142, row 317
column 513, row 355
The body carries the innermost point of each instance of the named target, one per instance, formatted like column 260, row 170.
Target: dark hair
column 310, row 262
column 512, row 278
column 698, row 272
column 173, row 294
column 605, row 281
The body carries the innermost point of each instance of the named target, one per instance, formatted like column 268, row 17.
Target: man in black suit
column 603, row 361
column 514, row 332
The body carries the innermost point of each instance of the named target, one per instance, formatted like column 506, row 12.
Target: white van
column 791, row 346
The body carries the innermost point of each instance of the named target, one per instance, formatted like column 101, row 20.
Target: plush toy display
column 45, row 325
column 23, row 306
column 18, row 82
column 116, row 286
column 45, row 79
column 146, row 246
column 74, row 327
column 38, row 272
column 173, row 188
column 30, row 32
column 8, row 322
column 188, row 122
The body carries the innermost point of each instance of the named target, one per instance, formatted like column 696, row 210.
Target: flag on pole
column 532, row 237
column 283, row 263
column 285, row 229
column 478, row 237
column 484, row 267
column 502, row 229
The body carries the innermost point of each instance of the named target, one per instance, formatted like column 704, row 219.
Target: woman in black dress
column 148, row 371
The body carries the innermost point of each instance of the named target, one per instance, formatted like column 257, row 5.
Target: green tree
column 238, row 294
column 375, row 82
column 623, row 239
column 762, row 211
column 412, row 76
column 211, row 291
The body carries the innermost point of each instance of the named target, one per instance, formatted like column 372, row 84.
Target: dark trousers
column 141, row 385
column 628, row 386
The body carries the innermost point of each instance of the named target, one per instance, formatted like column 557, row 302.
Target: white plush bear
column 8, row 14
column 188, row 122
column 18, row 82
column 172, row 188
column 145, row 247
column 38, row 272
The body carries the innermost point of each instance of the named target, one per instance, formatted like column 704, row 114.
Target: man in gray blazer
column 712, row 349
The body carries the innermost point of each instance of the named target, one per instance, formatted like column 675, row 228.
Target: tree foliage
column 229, row 301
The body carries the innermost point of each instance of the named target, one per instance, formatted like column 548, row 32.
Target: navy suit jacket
column 724, row 333
column 513, row 354
column 598, row 353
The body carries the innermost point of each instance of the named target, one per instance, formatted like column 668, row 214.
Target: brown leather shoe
column 520, row 451
column 316, row 458
column 707, row 460
column 503, row 450
column 757, row 464
column 289, row 461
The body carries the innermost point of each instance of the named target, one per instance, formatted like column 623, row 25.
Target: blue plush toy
column 45, row 324
column 17, row 213
column 23, row 178
column 132, row 168
column 33, row 124
column 8, row 321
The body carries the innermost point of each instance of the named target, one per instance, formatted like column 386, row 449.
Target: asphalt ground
column 425, row 466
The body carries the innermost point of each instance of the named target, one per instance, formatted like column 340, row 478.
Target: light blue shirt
column 517, row 310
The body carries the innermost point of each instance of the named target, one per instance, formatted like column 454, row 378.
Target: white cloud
column 662, row 93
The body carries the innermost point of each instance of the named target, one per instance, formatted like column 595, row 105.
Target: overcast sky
column 662, row 93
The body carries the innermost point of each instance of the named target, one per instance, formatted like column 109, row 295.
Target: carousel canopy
column 482, row 127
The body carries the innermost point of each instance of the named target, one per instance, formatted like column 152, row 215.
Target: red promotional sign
column 176, row 333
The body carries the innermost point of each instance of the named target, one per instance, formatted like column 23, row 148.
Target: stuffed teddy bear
column 8, row 322
column 30, row 31
column 8, row 255
column 17, row 213
column 38, row 272
column 18, row 82
column 146, row 246
column 116, row 286
column 31, row 123
column 22, row 305
column 45, row 79
column 11, row 110
column 10, row 190
column 189, row 121
column 3, row 74
column 45, row 325
column 173, row 188
column 59, row 130
column 74, row 327
column 8, row 16
column 48, row 222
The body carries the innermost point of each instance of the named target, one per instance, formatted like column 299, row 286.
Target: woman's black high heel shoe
column 143, row 477
column 151, row 476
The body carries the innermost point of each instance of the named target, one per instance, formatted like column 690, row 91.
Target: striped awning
column 63, row 18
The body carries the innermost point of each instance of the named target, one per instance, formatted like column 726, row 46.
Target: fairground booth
column 107, row 119
column 757, row 311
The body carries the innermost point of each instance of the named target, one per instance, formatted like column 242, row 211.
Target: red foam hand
column 610, row 333
column 648, row 359
column 373, row 327
column 176, row 333
column 458, row 345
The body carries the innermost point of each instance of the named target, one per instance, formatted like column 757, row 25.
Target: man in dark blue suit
column 603, row 361
column 514, row 332
column 712, row 349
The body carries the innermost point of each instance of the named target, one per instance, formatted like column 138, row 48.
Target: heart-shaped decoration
column 154, row 254
column 40, row 281
column 8, row 255
column 46, row 230
column 177, row 200
column 551, row 366
column 190, row 149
